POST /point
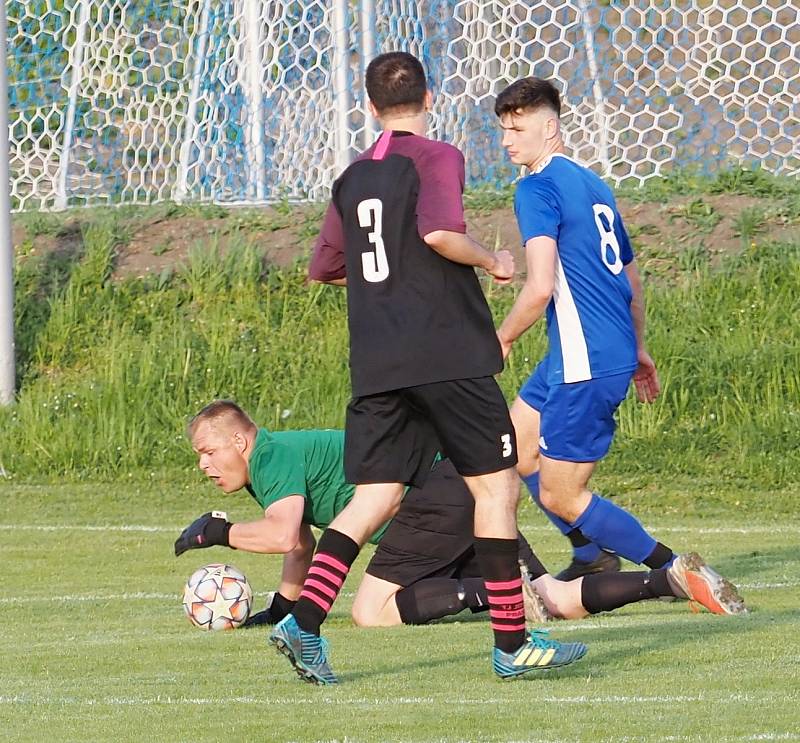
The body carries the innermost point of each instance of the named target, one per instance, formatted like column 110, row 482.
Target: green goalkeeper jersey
column 307, row 463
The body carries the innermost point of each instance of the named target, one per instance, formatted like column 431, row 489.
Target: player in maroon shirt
column 423, row 355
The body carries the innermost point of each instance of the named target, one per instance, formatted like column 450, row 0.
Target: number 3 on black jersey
column 374, row 264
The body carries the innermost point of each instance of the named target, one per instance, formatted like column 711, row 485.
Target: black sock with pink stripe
column 335, row 553
column 498, row 562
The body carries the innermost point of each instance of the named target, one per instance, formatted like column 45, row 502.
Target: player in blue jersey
column 582, row 274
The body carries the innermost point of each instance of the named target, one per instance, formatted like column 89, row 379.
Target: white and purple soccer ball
column 217, row 597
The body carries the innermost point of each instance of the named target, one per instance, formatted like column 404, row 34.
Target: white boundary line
column 407, row 701
column 758, row 529
column 90, row 597
column 91, row 527
column 137, row 596
column 144, row 596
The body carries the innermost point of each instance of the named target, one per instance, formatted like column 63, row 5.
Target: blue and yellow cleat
column 538, row 654
column 306, row 652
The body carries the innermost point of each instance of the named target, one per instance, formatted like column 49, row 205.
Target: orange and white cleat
column 535, row 608
column 705, row 586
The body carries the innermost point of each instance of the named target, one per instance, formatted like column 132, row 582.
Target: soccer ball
column 217, row 597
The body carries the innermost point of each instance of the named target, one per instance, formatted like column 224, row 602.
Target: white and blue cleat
column 308, row 653
column 539, row 653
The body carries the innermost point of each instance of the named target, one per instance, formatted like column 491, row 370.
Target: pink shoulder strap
column 382, row 146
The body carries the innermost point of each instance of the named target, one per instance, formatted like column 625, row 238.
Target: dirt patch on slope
column 661, row 233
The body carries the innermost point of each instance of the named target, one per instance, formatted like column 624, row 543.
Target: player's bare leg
column 374, row 604
column 496, row 497
column 602, row 592
column 563, row 490
column 496, row 547
column 298, row 635
column 563, row 487
column 587, row 557
column 526, row 425
column 562, row 599
column 566, row 489
column 371, row 507
column 419, row 588
column 598, row 529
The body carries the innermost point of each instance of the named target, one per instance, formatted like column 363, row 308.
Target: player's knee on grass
column 370, row 615
column 374, row 605
column 364, row 616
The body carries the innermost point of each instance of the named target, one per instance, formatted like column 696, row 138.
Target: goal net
column 247, row 101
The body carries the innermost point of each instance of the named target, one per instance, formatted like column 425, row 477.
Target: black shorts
column 393, row 436
column 431, row 535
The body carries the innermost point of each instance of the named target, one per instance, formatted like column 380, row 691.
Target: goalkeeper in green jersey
column 424, row 566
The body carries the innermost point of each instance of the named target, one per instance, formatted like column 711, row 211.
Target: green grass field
column 97, row 479
column 96, row 647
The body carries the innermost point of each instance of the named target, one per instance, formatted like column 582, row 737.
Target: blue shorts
column 577, row 419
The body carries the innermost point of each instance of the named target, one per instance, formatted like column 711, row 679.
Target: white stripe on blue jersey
column 571, row 336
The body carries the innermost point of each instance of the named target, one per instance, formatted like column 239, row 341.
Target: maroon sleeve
column 327, row 262
column 439, row 204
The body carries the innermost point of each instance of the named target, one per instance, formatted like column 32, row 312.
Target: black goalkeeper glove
column 210, row 529
column 278, row 606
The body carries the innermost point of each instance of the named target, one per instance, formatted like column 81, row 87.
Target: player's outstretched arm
column 645, row 379
column 277, row 533
column 461, row 248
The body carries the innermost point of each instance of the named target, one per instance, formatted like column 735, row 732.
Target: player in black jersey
column 423, row 352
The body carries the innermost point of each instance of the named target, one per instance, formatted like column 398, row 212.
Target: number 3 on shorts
column 374, row 265
column 505, row 440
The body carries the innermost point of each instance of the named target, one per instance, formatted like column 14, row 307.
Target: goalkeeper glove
column 210, row 529
column 278, row 606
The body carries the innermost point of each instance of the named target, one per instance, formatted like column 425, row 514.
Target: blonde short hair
column 222, row 412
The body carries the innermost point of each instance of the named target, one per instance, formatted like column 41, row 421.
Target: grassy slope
column 110, row 370
column 97, row 649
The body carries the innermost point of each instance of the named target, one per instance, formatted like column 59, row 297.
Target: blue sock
column 585, row 552
column 614, row 529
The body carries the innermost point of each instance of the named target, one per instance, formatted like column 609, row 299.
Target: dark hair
column 396, row 80
column 221, row 411
column 528, row 94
